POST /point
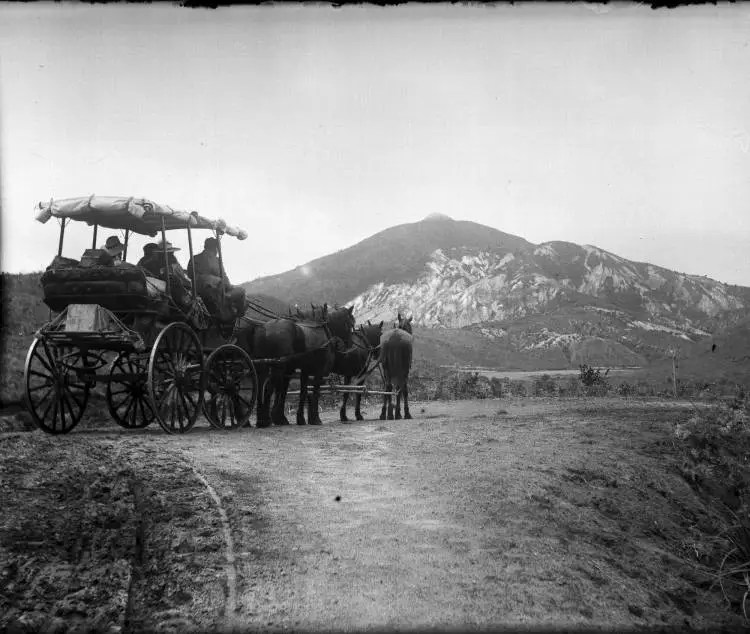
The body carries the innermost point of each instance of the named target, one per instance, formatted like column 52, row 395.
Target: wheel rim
column 231, row 386
column 55, row 395
column 128, row 401
column 174, row 378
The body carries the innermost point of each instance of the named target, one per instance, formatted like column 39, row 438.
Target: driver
column 207, row 273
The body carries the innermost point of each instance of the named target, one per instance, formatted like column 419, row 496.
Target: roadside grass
column 68, row 534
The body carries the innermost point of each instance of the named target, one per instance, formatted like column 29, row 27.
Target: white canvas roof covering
column 136, row 214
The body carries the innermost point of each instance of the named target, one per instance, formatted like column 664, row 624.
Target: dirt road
column 484, row 513
column 475, row 513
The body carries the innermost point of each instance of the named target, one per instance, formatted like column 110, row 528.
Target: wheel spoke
column 163, row 395
column 224, row 411
column 125, row 413
column 49, row 363
column 118, row 407
column 185, row 407
column 47, row 385
column 44, row 376
column 246, row 402
column 54, row 413
column 143, row 411
column 134, row 414
column 74, row 399
column 63, row 402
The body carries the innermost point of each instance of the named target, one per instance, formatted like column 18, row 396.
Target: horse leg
column 357, row 411
column 398, row 404
column 314, row 411
column 344, row 400
column 281, row 385
column 389, row 389
column 302, row 399
column 384, row 410
column 407, row 415
column 264, row 400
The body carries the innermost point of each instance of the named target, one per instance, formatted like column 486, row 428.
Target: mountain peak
column 435, row 215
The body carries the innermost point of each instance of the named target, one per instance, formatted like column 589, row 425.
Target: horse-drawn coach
column 145, row 331
column 169, row 346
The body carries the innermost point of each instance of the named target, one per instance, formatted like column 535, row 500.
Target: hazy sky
column 314, row 127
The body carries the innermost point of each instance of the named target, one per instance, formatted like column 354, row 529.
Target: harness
column 302, row 321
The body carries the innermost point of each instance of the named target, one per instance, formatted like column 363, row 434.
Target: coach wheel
column 127, row 393
column 231, row 387
column 174, row 378
column 56, row 392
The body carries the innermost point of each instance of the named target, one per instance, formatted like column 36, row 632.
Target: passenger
column 150, row 260
column 210, row 280
column 179, row 282
column 108, row 255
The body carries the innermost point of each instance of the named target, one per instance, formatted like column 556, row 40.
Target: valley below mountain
column 482, row 297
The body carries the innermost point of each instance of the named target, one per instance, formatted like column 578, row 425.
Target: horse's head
column 404, row 324
column 341, row 323
column 371, row 333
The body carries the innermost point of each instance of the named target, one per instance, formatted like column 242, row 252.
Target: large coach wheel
column 56, row 395
column 175, row 369
column 231, row 387
column 127, row 395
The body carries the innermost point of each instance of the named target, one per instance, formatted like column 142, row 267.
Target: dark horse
column 395, row 357
column 305, row 344
column 353, row 362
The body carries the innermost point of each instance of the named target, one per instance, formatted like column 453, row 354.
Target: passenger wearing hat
column 111, row 252
column 180, row 283
column 211, row 280
column 150, row 260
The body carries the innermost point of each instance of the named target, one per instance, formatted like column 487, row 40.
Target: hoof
column 407, row 416
column 302, row 422
column 390, row 417
column 360, row 417
column 281, row 423
column 397, row 416
column 343, row 418
column 262, row 425
column 382, row 417
column 316, row 422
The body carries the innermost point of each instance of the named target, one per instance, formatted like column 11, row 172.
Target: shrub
column 590, row 377
column 544, row 386
column 517, row 388
column 715, row 447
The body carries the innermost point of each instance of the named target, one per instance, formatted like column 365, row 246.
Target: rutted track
column 468, row 515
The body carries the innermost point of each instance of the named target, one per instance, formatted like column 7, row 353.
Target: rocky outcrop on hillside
column 474, row 286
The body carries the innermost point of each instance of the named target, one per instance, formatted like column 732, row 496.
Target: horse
column 395, row 357
column 353, row 362
column 324, row 346
column 307, row 343
column 275, row 339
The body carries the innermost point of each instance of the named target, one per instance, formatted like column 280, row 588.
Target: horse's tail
column 405, row 353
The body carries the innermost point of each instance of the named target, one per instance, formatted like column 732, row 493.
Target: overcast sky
column 314, row 127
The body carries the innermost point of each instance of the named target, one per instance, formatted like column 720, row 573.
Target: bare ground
column 473, row 514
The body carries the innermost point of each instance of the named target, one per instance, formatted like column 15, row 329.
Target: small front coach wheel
column 127, row 394
column 231, row 387
column 175, row 372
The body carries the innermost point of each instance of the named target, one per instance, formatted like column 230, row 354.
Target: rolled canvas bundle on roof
column 135, row 214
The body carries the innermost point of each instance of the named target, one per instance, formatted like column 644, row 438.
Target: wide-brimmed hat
column 113, row 246
column 168, row 244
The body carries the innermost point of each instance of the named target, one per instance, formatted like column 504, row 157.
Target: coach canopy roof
column 136, row 214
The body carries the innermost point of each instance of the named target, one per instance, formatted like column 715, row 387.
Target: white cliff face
column 472, row 287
